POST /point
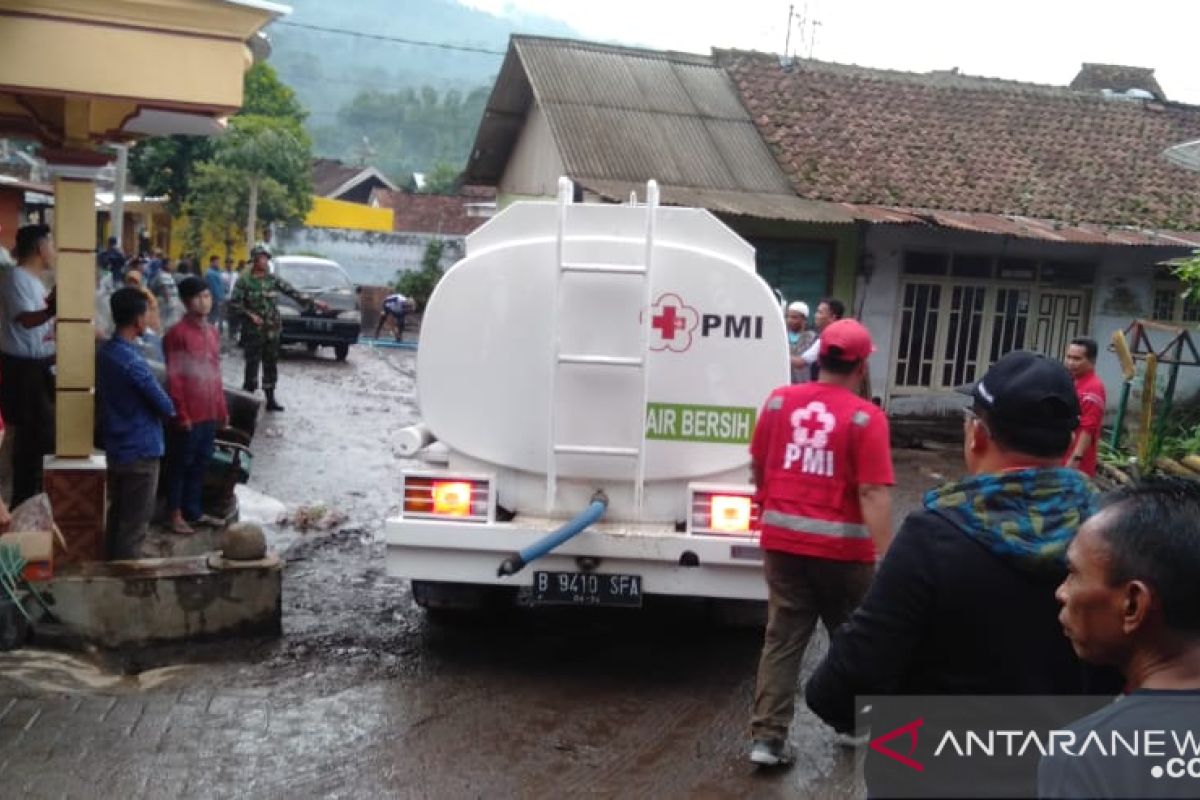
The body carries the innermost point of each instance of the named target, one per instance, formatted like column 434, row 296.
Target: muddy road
column 364, row 697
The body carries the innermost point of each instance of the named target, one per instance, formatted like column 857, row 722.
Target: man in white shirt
column 828, row 310
column 27, row 351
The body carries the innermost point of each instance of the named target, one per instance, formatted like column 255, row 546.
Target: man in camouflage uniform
column 253, row 299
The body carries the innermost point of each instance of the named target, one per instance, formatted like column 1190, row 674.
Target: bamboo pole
column 1145, row 424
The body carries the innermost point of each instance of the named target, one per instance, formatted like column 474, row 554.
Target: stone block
column 74, row 215
column 132, row 603
column 75, row 275
column 76, row 355
column 76, row 487
column 74, row 417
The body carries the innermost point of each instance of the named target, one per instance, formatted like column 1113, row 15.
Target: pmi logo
column 879, row 744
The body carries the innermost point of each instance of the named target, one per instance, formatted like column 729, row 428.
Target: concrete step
column 150, row 601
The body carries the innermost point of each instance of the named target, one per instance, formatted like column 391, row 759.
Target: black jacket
column 948, row 615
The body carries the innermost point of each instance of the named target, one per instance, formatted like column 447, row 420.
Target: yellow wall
column 327, row 213
column 212, row 244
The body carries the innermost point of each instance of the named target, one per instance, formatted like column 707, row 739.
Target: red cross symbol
column 812, row 426
column 668, row 322
column 670, row 316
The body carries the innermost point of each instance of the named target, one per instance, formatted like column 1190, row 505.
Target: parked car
column 338, row 327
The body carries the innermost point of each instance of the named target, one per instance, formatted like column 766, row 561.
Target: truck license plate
column 322, row 325
column 587, row 589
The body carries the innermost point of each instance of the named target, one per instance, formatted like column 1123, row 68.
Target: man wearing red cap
column 822, row 463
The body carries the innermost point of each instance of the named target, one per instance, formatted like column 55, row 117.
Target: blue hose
column 517, row 561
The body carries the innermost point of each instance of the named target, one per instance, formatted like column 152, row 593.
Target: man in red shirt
column 822, row 463
column 192, row 350
column 1081, row 363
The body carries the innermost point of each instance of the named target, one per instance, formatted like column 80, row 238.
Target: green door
column 797, row 270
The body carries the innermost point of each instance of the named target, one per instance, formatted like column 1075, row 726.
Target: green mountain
column 401, row 107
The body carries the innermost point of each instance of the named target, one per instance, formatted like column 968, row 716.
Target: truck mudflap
column 662, row 561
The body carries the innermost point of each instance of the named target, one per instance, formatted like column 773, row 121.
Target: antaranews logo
column 1018, row 746
column 879, row 744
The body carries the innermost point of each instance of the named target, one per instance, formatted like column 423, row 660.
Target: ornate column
column 75, row 474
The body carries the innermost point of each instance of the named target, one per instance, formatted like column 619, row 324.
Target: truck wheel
column 341, row 351
column 738, row 613
column 461, row 603
column 311, row 347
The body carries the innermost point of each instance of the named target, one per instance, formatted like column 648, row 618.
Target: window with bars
column 1170, row 306
column 954, row 321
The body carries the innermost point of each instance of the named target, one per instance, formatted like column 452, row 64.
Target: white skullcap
column 798, row 306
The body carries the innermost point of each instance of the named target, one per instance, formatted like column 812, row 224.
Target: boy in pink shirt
column 193, row 354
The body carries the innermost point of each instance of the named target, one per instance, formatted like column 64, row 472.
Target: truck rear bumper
column 455, row 552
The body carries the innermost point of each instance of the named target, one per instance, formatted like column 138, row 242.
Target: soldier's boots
column 272, row 405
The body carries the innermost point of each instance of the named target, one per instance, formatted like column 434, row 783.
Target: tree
column 167, row 165
column 1187, row 269
column 267, row 96
column 444, row 179
column 410, row 130
column 270, row 154
column 418, row 284
column 162, row 166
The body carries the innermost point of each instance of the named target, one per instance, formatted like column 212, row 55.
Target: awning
column 1024, row 227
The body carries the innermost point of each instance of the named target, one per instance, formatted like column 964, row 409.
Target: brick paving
column 190, row 743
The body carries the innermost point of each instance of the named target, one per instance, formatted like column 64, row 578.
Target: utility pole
column 787, row 42
column 252, row 217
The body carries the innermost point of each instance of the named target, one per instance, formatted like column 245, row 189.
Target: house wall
column 329, row 213
column 370, row 258
column 535, row 166
column 844, row 238
column 1123, row 290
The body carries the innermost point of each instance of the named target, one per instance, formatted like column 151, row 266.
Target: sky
column 1042, row 41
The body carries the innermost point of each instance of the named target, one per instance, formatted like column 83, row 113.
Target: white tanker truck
column 589, row 377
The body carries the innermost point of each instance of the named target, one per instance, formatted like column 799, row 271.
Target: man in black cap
column 963, row 602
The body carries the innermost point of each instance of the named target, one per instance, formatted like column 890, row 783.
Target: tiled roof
column 431, row 213
column 328, row 174
column 957, row 143
column 332, row 178
column 1116, row 78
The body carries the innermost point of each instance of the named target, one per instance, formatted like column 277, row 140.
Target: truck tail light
column 730, row 513
column 447, row 497
column 723, row 510
column 452, row 498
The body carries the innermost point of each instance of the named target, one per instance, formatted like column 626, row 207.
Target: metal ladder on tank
column 608, row 362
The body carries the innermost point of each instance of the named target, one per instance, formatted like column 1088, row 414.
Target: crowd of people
column 148, row 305
column 1017, row 579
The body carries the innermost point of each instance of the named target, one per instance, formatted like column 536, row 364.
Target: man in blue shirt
column 216, row 287
column 132, row 407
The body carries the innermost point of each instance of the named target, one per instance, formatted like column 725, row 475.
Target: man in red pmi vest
column 822, row 463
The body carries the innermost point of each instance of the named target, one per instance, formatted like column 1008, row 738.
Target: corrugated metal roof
column 764, row 205
column 627, row 115
column 1024, row 227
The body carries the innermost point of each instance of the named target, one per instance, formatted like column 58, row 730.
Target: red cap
column 846, row 340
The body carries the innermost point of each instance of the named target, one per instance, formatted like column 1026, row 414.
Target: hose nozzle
column 510, row 566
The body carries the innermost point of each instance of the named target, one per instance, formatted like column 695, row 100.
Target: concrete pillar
column 75, row 475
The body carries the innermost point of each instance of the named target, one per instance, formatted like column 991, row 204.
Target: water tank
column 488, row 374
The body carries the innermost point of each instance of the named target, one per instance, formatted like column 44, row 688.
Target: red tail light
column 730, row 513
column 452, row 498
column 723, row 510
column 464, row 499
